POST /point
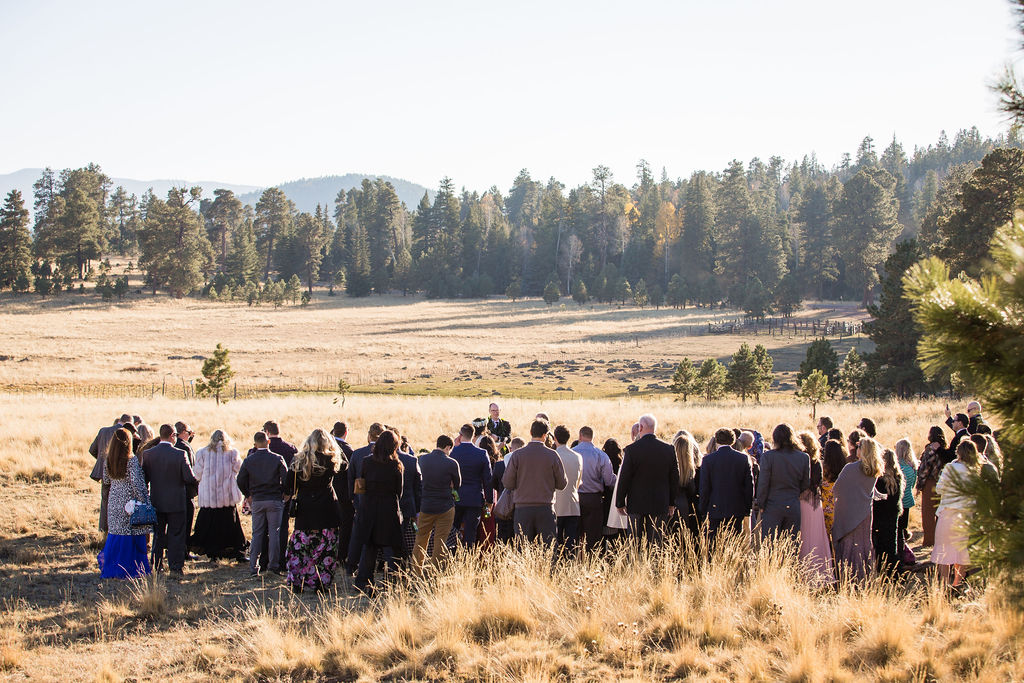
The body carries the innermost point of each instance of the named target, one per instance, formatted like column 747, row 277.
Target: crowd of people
column 325, row 509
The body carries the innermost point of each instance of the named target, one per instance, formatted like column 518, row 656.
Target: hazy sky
column 262, row 93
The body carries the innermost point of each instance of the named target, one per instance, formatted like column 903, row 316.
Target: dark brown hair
column 118, row 452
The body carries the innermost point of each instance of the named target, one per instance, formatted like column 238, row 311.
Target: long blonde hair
column 905, row 453
column 219, row 442
column 892, row 475
column 307, row 461
column 811, row 445
column 688, row 455
column 870, row 453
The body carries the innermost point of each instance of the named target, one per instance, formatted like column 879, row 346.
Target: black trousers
column 171, row 535
column 592, row 518
column 735, row 524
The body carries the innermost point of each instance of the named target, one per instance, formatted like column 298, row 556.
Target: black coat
column 380, row 521
column 726, row 484
column 318, row 504
column 649, row 477
column 169, row 476
column 687, row 503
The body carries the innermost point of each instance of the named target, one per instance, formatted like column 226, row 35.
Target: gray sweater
column 534, row 473
column 440, row 475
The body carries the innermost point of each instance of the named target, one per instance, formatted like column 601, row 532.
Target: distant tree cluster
column 748, row 374
column 760, row 236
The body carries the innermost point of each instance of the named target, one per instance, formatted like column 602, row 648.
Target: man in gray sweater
column 261, row 478
column 534, row 473
column 441, row 477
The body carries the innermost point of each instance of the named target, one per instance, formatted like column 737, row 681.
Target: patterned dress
column 126, row 551
column 828, row 504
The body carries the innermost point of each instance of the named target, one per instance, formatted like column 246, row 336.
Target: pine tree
column 820, row 356
column 684, row 379
column 551, row 293
column 174, row 249
column 767, row 365
column 640, row 295
column 274, row 219
column 217, row 374
column 852, row 374
column 514, row 290
column 243, row 262
column 357, row 272
column 814, row 389
column 744, row 374
column 15, row 244
column 975, row 328
column 311, row 238
column 867, row 223
column 579, row 292
column 711, row 379
column 893, row 329
column 223, row 215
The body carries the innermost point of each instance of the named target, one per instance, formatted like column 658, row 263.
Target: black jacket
column 169, row 476
column 726, row 484
column 262, row 475
column 317, row 502
column 380, row 521
column 648, row 478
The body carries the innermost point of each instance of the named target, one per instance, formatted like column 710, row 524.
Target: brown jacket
column 534, row 473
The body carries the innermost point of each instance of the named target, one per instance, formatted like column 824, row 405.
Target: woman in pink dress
column 815, row 548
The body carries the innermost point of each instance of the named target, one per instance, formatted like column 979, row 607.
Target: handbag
column 504, row 509
column 293, row 502
column 359, row 486
column 144, row 514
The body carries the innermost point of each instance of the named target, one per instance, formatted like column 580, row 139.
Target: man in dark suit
column 958, row 424
column 648, row 482
column 824, row 424
column 183, row 440
column 726, row 485
column 500, row 429
column 475, row 467
column 170, row 477
column 355, row 471
column 975, row 422
column 98, row 449
column 345, row 508
column 412, row 497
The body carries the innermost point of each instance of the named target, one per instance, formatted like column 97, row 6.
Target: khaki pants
column 440, row 524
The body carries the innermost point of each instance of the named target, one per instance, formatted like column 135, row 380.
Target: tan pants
column 440, row 524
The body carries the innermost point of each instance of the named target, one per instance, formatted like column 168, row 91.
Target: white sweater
column 216, row 472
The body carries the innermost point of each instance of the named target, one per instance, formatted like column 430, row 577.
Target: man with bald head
column 975, row 422
column 648, row 482
column 500, row 429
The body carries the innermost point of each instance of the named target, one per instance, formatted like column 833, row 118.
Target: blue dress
column 125, row 555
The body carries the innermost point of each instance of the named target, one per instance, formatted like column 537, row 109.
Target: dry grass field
column 76, row 343
column 427, row 367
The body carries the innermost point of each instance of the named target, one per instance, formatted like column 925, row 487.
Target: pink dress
column 815, row 549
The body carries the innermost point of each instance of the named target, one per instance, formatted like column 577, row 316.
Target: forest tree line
column 759, row 236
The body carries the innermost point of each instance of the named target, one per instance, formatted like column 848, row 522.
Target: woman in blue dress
column 125, row 555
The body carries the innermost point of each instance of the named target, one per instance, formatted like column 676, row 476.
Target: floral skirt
column 312, row 558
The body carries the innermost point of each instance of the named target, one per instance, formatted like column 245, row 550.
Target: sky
column 261, row 93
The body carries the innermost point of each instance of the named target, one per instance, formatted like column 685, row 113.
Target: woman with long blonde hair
column 689, row 457
column 851, row 526
column 908, row 463
column 312, row 558
column 886, row 511
column 955, row 509
column 218, row 529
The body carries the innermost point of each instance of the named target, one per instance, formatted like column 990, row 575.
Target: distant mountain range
column 306, row 193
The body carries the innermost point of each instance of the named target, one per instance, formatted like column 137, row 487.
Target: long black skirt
column 218, row 533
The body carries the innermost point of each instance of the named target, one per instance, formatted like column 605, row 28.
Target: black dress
column 884, row 525
column 686, row 505
column 380, row 518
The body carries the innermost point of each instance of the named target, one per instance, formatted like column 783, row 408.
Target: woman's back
column 217, row 471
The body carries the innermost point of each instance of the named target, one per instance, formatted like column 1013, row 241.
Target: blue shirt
column 597, row 468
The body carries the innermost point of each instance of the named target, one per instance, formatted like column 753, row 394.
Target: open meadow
column 81, row 345
column 73, row 365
